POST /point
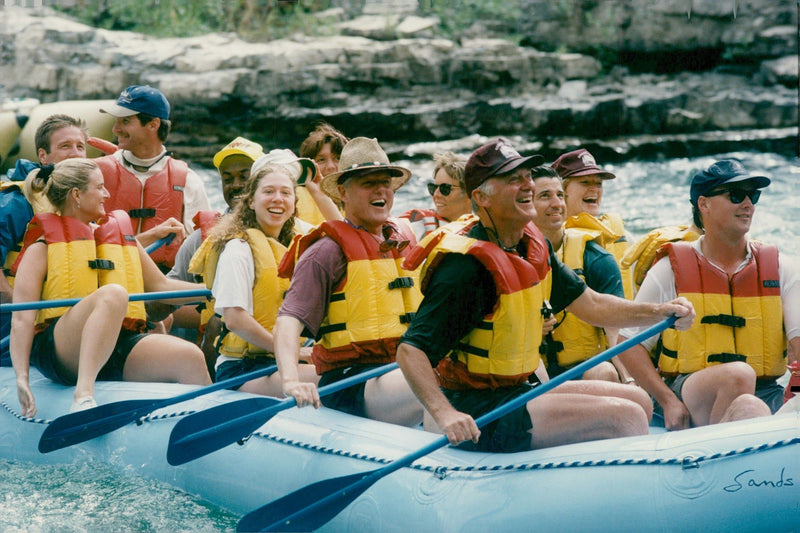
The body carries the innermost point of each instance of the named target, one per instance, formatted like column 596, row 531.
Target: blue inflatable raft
column 741, row 476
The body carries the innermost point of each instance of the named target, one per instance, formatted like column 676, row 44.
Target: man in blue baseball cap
column 160, row 193
column 725, row 366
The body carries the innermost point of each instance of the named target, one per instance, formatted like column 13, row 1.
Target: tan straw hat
column 360, row 156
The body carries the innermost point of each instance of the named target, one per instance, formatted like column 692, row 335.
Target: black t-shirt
column 462, row 292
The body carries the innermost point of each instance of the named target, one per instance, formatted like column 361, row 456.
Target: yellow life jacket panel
column 574, row 340
column 739, row 318
column 372, row 306
column 504, row 349
column 612, row 238
column 643, row 253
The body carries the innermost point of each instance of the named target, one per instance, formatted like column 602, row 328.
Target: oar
column 4, row 343
column 312, row 506
column 163, row 241
column 212, row 429
column 138, row 297
column 81, row 426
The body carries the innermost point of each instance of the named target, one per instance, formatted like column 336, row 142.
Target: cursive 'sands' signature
column 748, row 479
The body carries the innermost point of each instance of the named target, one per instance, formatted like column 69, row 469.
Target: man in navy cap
column 748, row 303
column 480, row 322
column 160, row 193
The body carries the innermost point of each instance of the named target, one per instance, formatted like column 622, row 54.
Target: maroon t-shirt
column 319, row 270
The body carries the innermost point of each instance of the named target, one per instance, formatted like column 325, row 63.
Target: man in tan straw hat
column 350, row 292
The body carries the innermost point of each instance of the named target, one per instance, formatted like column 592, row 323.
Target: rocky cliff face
column 641, row 78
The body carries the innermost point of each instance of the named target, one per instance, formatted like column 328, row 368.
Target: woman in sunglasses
column 448, row 193
column 725, row 366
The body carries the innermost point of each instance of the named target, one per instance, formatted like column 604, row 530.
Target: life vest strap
column 468, row 348
column 667, row 352
column 101, row 264
column 337, row 297
column 726, row 357
column 404, row 282
column 331, row 328
column 142, row 212
column 725, row 320
column 407, row 318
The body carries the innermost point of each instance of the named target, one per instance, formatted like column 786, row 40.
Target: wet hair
column 243, row 217
column 57, row 181
column 163, row 128
column 451, row 163
column 54, row 123
column 323, row 134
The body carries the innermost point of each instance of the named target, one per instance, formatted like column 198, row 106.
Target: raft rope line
column 687, row 461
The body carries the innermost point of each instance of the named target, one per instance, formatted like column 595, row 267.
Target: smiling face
column 141, row 140
column 234, row 171
column 723, row 217
column 549, row 203
column 273, row 201
column 510, row 203
column 65, row 143
column 89, row 203
column 583, row 194
column 453, row 205
column 368, row 199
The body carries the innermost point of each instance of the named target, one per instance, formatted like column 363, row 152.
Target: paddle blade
column 75, row 428
column 212, row 429
column 293, row 512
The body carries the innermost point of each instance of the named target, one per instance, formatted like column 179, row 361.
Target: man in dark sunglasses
column 726, row 365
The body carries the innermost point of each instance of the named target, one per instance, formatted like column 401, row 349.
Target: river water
column 90, row 497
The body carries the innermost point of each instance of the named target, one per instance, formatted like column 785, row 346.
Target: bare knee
column 112, row 298
column 741, row 378
column 604, row 372
column 192, row 367
column 626, row 418
column 744, row 407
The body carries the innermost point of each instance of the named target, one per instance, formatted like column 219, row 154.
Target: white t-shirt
column 235, row 276
column 659, row 287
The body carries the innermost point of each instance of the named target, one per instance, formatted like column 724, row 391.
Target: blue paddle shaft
column 163, row 241
column 342, row 491
column 139, row 297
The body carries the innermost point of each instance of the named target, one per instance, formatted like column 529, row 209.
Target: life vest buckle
column 401, row 283
column 101, row 264
column 143, row 212
column 732, row 321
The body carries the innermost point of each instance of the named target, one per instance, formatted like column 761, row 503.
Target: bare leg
column 389, row 398
column 86, row 334
column 708, row 393
column 605, row 371
column 567, row 418
column 166, row 358
column 606, row 388
column 744, row 407
column 273, row 386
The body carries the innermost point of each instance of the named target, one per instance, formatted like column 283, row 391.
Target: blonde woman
column 67, row 255
column 239, row 261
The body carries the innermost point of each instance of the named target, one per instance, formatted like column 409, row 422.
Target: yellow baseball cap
column 240, row 146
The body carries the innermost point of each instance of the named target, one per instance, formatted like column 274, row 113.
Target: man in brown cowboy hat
column 350, row 292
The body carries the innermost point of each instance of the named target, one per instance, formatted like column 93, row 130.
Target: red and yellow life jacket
column 79, row 260
column 371, row 308
column 148, row 205
column 504, row 349
column 643, row 253
column 739, row 318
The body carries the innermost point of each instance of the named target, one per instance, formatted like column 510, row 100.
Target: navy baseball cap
column 140, row 99
column 495, row 158
column 720, row 173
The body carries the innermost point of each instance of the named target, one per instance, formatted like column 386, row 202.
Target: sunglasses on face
column 737, row 196
column 444, row 188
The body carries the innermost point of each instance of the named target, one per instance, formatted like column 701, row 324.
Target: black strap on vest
column 725, row 357
column 101, row 264
column 407, row 318
column 331, row 328
column 725, row 320
column 143, row 212
column 401, row 283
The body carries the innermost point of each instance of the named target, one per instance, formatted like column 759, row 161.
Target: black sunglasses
column 737, row 196
column 444, row 188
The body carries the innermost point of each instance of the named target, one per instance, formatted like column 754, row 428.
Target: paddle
column 312, row 506
column 81, row 426
column 138, row 297
column 163, row 241
column 212, row 429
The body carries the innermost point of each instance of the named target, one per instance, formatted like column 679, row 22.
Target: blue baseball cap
column 722, row 173
column 140, row 99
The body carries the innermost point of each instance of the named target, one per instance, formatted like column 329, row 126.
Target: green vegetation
column 261, row 20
